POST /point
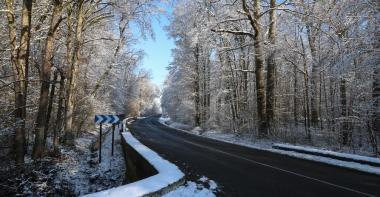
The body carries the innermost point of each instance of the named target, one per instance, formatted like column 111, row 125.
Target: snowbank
column 334, row 162
column 326, row 153
column 203, row 187
column 167, row 121
column 168, row 174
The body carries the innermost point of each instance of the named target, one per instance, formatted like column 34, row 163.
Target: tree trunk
column 19, row 59
column 204, row 86
column 343, row 102
column 233, row 88
column 315, row 72
column 18, row 77
column 23, row 52
column 69, row 133
column 50, row 106
column 39, row 142
column 306, row 91
column 328, row 114
column 376, row 111
column 259, row 63
column 196, row 88
column 320, row 100
column 59, row 119
column 69, row 47
column 295, row 103
column 207, row 89
column 271, row 65
column 244, row 64
column 260, row 79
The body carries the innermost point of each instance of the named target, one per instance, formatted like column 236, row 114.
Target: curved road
column 242, row 171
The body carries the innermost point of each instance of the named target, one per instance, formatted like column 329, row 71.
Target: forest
column 291, row 71
column 62, row 62
column 299, row 71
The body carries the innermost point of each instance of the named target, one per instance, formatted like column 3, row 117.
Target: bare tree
column 20, row 63
column 271, row 62
column 42, row 115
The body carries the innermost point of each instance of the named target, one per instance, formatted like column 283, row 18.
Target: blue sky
column 158, row 51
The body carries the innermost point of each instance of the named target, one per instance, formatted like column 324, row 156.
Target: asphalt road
column 242, row 171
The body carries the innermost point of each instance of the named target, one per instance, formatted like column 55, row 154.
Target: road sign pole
column 100, row 144
column 113, row 138
column 112, row 119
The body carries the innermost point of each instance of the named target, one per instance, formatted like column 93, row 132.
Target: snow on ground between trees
column 73, row 172
column 81, row 171
column 267, row 145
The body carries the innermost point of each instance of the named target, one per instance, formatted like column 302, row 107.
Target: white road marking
column 280, row 169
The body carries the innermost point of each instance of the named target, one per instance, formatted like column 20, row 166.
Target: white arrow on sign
column 108, row 119
column 99, row 119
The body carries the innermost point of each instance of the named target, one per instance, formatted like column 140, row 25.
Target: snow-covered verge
column 267, row 146
column 34, row 179
column 72, row 172
column 81, row 170
column 168, row 174
column 330, row 161
column 326, row 153
column 203, row 187
column 177, row 125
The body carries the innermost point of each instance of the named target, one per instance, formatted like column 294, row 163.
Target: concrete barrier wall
column 137, row 166
column 147, row 173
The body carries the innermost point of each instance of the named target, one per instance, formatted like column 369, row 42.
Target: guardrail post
column 100, row 143
column 113, row 138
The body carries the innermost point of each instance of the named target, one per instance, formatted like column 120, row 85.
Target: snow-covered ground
column 72, row 172
column 267, row 145
column 219, row 135
column 168, row 173
column 80, row 172
column 327, row 153
column 203, row 187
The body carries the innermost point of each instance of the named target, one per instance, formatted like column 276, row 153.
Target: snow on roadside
column 221, row 136
column 113, row 166
column 204, row 188
column 168, row 174
column 267, row 146
column 72, row 170
column 164, row 120
column 345, row 164
column 80, row 172
column 177, row 125
column 332, row 153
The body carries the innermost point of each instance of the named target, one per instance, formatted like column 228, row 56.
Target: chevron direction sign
column 112, row 119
